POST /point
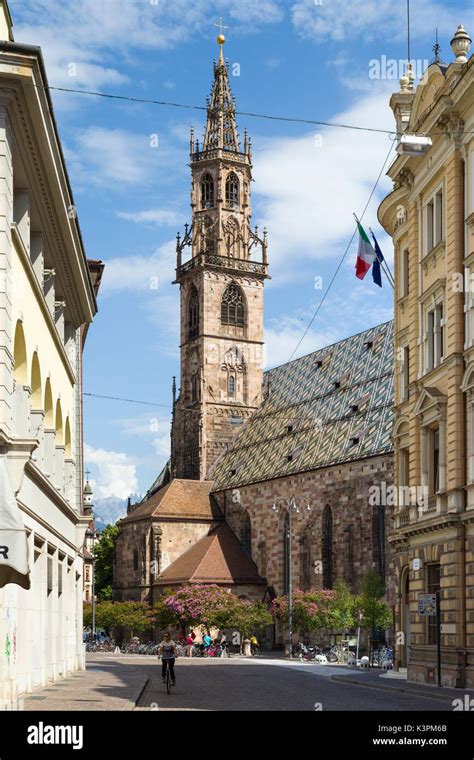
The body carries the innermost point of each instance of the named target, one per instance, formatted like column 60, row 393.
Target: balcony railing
column 223, row 262
column 404, row 518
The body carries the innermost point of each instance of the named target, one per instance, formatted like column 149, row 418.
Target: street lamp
column 290, row 505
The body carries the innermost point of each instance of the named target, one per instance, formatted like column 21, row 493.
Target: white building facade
column 47, row 299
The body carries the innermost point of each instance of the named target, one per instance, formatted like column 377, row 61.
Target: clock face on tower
column 194, row 364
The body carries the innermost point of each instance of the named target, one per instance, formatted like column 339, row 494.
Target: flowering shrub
column 201, row 604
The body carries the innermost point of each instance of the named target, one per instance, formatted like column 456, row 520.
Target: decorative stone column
column 424, row 456
column 442, row 454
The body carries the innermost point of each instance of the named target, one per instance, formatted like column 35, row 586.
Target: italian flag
column 365, row 254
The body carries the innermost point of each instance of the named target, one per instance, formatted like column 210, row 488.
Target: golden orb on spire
column 221, row 27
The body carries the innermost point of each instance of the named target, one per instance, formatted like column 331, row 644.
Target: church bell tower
column 221, row 269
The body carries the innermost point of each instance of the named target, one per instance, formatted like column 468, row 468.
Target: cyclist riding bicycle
column 167, row 652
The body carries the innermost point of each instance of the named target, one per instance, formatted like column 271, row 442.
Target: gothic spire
column 221, row 128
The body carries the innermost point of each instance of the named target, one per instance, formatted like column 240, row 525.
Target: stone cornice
column 437, row 523
column 49, row 529
column 45, row 485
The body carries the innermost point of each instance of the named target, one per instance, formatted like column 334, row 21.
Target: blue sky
column 304, row 58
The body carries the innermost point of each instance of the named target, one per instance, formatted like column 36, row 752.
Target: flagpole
column 387, row 272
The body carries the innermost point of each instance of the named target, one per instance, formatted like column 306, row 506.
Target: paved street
column 119, row 682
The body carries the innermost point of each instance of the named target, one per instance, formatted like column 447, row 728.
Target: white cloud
column 154, row 428
column 118, row 158
column 367, row 20
column 155, row 216
column 307, row 188
column 150, row 274
column 99, row 36
column 117, row 473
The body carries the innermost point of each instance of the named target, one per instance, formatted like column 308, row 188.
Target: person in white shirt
column 167, row 652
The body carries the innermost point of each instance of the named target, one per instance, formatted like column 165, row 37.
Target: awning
column 14, row 567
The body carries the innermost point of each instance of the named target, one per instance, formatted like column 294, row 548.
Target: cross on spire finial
column 88, row 472
column 220, row 26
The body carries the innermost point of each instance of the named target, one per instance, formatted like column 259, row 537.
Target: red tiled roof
column 179, row 499
column 215, row 558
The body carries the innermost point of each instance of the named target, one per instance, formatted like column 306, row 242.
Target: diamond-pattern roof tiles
column 331, row 406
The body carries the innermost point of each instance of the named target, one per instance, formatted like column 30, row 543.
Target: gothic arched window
column 232, row 190
column 247, row 534
column 193, row 313
column 327, row 552
column 231, row 386
column 286, row 553
column 232, row 306
column 135, row 559
column 207, row 191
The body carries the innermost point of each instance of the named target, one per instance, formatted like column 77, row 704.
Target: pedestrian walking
column 190, row 642
column 254, row 648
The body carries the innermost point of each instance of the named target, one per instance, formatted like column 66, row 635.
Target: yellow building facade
column 430, row 216
column 47, row 299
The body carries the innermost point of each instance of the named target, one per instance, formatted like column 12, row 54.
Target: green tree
column 342, row 608
column 376, row 614
column 104, row 553
column 248, row 617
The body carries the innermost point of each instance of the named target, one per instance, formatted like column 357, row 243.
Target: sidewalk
column 388, row 682
column 106, row 684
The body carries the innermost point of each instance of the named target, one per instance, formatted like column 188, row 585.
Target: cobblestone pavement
column 119, row 682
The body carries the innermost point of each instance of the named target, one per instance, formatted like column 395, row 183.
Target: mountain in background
column 110, row 509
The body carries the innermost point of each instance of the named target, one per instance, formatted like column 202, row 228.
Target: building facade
column 46, row 301
column 323, row 436
column 430, row 215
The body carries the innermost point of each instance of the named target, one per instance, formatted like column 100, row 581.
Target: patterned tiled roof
column 179, row 499
column 329, row 407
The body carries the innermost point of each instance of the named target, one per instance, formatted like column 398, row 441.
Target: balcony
column 222, row 262
column 212, row 153
column 403, row 518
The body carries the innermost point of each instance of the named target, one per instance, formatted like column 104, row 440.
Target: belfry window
column 232, row 307
column 232, row 191
column 207, row 191
column 231, row 387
